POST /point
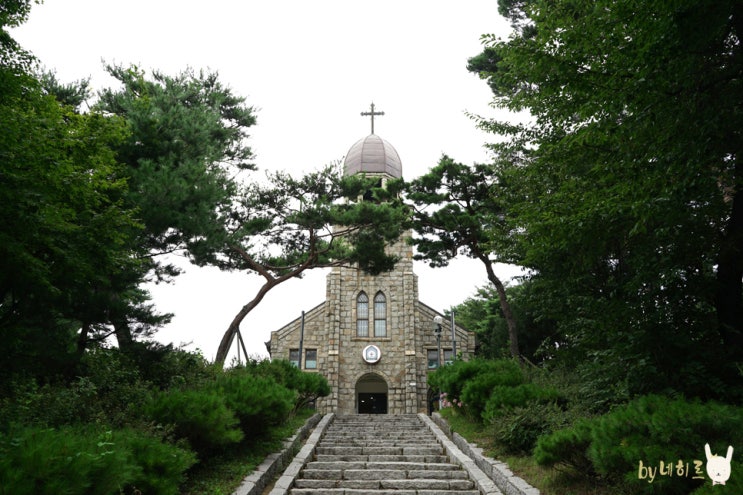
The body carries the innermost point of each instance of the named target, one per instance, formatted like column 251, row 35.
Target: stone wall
column 331, row 329
column 399, row 288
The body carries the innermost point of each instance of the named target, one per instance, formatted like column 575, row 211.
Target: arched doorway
column 371, row 394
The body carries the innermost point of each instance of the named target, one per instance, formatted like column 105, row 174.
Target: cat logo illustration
column 718, row 467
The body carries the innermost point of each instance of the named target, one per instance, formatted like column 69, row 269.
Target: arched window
column 362, row 315
column 380, row 315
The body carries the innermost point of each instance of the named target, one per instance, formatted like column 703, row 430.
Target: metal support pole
column 301, row 341
column 241, row 342
column 453, row 338
column 438, row 358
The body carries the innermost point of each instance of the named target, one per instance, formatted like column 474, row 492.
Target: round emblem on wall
column 371, row 354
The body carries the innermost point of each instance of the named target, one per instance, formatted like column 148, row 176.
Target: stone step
column 381, row 455
column 417, row 467
column 376, row 432
column 375, row 439
column 391, row 450
column 384, row 474
column 389, row 424
column 382, row 458
column 372, row 491
column 352, row 432
column 375, row 442
column 379, row 442
column 381, row 429
column 375, row 421
column 387, row 484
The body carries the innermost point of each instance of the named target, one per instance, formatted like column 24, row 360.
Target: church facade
column 372, row 338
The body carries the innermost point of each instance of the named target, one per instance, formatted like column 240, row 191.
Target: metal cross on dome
column 372, row 114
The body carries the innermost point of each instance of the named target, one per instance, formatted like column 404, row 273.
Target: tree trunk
column 729, row 297
column 513, row 336
column 229, row 335
column 123, row 336
column 82, row 339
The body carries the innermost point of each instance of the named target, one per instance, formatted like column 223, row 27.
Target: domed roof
column 373, row 155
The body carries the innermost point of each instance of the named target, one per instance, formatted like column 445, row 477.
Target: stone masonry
column 330, row 329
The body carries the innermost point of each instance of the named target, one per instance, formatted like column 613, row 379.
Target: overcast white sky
column 309, row 68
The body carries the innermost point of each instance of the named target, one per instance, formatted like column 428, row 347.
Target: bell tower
column 372, row 338
column 372, row 355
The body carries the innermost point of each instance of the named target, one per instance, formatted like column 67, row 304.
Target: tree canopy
column 460, row 209
column 289, row 225
column 186, row 146
column 182, row 155
column 630, row 205
column 65, row 230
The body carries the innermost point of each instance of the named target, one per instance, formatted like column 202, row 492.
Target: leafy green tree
column 65, row 234
column 13, row 13
column 186, row 146
column 288, row 226
column 72, row 94
column 631, row 213
column 68, row 232
column 460, row 210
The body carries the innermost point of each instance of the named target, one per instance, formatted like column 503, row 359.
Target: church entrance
column 371, row 394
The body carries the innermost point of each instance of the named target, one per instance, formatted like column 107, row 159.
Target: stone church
column 372, row 338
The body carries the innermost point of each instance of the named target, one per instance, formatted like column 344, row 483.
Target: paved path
column 383, row 455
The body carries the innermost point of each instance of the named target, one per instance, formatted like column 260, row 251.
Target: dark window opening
column 310, row 359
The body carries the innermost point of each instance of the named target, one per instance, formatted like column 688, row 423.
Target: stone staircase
column 381, row 455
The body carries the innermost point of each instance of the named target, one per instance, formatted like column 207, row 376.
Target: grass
column 221, row 474
column 549, row 481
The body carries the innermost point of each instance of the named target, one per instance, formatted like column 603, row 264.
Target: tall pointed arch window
column 362, row 315
column 380, row 315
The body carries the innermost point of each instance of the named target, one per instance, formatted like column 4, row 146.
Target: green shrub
column 200, row 416
column 166, row 367
column 472, row 381
column 80, row 460
column 258, row 402
column 65, row 461
column 475, row 394
column 308, row 386
column 503, row 398
column 280, row 370
column 650, row 429
column 160, row 466
column 567, row 447
column 108, row 390
column 51, row 406
column 517, row 429
column 654, row 428
column 120, row 391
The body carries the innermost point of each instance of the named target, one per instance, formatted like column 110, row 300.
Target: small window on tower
column 369, row 195
column 362, row 315
column 380, row 315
